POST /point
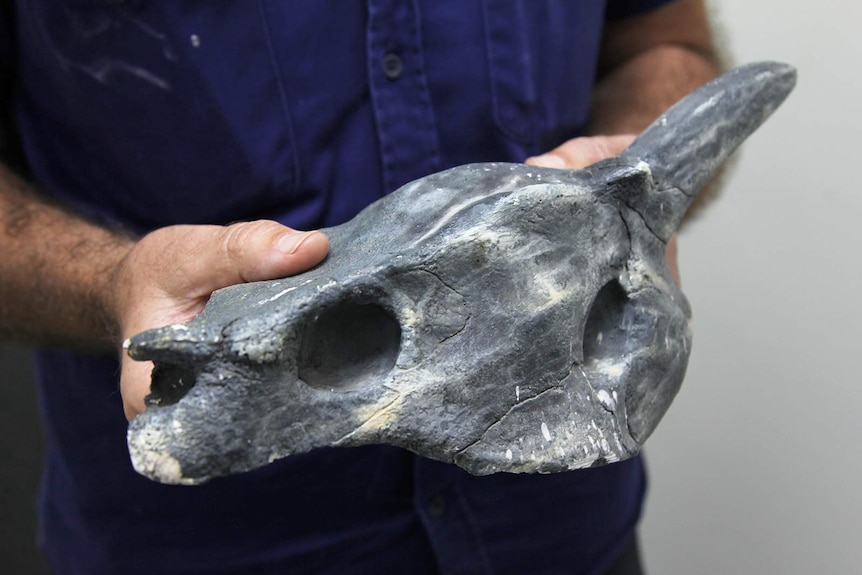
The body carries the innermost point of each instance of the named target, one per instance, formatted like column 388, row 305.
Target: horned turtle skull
column 501, row 317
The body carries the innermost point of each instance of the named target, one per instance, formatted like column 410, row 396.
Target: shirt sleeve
column 622, row 9
column 6, row 45
column 7, row 77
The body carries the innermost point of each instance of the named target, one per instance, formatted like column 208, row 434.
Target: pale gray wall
column 757, row 468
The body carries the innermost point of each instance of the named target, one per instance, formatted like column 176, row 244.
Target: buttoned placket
column 398, row 85
column 409, row 149
column 457, row 542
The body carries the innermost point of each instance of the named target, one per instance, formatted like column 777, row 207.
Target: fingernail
column 548, row 161
column 289, row 243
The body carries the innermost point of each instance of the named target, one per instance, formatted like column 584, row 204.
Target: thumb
column 251, row 251
column 170, row 273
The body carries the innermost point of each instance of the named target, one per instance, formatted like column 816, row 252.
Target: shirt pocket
column 174, row 107
column 542, row 58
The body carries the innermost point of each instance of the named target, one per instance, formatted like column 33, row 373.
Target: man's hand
column 582, row 152
column 168, row 276
column 69, row 282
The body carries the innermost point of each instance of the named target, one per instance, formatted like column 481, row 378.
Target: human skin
column 66, row 281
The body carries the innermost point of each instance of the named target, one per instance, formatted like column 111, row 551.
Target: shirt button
column 437, row 506
column 392, row 66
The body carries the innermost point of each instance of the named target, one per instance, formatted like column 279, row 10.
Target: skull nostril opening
column 348, row 346
column 605, row 333
column 169, row 384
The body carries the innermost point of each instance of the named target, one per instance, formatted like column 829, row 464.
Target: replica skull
column 501, row 317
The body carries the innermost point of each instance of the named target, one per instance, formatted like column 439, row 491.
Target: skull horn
column 685, row 147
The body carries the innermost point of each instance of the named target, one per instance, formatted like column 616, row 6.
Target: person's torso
column 150, row 113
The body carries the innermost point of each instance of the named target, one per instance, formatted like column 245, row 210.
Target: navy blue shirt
column 149, row 113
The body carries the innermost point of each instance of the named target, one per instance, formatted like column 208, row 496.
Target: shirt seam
column 297, row 169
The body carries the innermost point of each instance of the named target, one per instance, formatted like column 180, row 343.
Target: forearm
column 648, row 63
column 56, row 271
column 630, row 97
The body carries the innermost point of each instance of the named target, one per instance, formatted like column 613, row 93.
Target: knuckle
column 236, row 238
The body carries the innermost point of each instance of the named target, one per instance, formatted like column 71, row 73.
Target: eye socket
column 605, row 334
column 349, row 346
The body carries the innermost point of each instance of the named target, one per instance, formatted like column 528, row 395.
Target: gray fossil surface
column 500, row 317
